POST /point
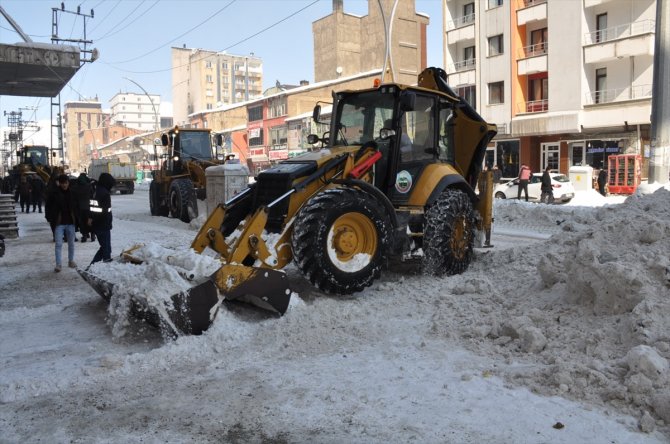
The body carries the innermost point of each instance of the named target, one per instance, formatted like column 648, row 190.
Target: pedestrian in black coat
column 37, row 196
column 101, row 217
column 602, row 181
column 64, row 213
column 84, row 191
column 25, row 190
column 547, row 195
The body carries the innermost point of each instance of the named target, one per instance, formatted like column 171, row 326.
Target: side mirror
column 157, row 141
column 313, row 138
column 218, row 139
column 316, row 114
column 164, row 140
column 386, row 133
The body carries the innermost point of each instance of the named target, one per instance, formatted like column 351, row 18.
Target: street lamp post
column 157, row 127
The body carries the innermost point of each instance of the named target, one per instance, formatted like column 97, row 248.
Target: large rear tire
column 183, row 204
column 449, row 234
column 155, row 201
column 340, row 238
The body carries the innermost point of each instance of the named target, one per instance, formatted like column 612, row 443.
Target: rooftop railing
column 620, row 32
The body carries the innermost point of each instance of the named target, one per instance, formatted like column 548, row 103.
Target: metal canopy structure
column 36, row 69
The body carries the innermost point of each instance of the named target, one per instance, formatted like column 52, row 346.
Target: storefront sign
column 278, row 154
column 257, row 151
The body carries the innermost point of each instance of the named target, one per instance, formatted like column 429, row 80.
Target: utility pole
column 659, row 163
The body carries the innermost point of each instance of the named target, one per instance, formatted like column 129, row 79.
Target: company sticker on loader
column 403, row 181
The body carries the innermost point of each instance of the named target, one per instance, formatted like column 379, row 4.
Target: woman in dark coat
column 101, row 217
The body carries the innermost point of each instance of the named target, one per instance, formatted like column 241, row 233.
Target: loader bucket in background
column 262, row 287
column 192, row 311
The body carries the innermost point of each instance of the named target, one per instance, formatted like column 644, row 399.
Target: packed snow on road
column 560, row 333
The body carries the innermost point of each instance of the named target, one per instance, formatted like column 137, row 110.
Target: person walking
column 37, row 195
column 524, row 177
column 25, row 191
column 547, row 195
column 101, row 217
column 497, row 174
column 83, row 190
column 64, row 212
column 602, row 181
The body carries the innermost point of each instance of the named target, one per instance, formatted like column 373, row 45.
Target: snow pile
column 162, row 273
column 585, row 314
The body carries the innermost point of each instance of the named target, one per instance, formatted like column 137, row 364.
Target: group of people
column 78, row 205
column 30, row 193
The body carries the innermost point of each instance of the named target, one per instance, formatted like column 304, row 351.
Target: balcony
column 461, row 29
column 532, row 59
column 533, row 10
column 463, row 65
column 631, row 39
column 634, row 92
column 592, row 3
column 534, row 106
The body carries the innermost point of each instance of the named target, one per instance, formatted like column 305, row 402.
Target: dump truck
column 125, row 173
column 180, row 180
column 396, row 179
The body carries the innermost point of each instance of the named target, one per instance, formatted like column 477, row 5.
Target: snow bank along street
column 559, row 334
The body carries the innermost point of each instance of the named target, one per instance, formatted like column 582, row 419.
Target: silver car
column 562, row 188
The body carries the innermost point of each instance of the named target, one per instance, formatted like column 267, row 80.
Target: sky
column 556, row 335
column 134, row 40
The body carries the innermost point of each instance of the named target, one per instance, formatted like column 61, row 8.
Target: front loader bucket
column 192, row 311
column 262, row 287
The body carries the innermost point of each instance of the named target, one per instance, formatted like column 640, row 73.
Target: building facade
column 138, row 111
column 347, row 44
column 567, row 82
column 204, row 80
column 86, row 128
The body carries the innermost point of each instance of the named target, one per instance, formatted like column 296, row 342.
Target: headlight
column 175, row 158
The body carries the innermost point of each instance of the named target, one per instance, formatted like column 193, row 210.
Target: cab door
column 417, row 146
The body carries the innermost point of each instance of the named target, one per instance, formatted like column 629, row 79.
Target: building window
column 277, row 107
column 208, row 64
column 601, row 85
column 255, row 113
column 538, row 94
column 496, row 93
column 538, row 42
column 495, row 3
column 601, row 27
column 208, row 78
column 209, row 106
column 278, row 138
column 468, row 9
column 469, row 94
column 224, row 66
column 256, row 137
column 496, row 45
column 468, row 54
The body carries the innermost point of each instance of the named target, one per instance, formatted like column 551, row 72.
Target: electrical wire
column 106, row 15
column 121, row 21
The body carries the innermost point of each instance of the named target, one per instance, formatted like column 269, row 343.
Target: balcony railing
column 461, row 21
column 535, row 50
column 620, row 32
column 534, row 106
column 618, row 94
column 464, row 65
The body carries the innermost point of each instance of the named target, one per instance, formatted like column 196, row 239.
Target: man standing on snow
column 63, row 212
column 546, row 188
column 602, row 181
column 524, row 177
column 101, row 217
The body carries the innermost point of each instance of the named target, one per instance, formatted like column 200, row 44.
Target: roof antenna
column 388, row 32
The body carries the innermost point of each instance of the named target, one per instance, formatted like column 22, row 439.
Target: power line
column 178, row 37
column 132, row 21
column 107, row 15
column 209, row 55
column 121, row 21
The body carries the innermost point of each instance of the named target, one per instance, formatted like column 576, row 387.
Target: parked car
column 563, row 189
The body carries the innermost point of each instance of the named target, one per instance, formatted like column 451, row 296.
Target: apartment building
column 85, row 129
column 138, row 111
column 204, row 80
column 347, row 44
column 568, row 82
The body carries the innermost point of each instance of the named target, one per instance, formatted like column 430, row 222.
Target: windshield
column 195, row 145
column 560, row 178
column 361, row 116
column 37, row 155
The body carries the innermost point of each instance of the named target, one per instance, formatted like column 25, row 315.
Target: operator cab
column 412, row 129
column 185, row 145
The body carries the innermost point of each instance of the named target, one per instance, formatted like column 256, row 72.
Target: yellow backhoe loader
column 397, row 175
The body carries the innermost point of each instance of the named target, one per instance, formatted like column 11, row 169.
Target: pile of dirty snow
column 584, row 314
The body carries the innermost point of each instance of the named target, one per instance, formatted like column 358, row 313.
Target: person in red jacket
column 524, row 177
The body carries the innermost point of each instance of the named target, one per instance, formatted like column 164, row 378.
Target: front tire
column 449, row 234
column 500, row 195
column 183, row 204
column 340, row 238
